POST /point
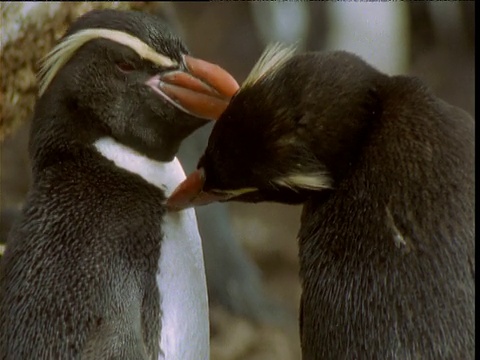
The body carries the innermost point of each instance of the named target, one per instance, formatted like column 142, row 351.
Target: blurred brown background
column 432, row 40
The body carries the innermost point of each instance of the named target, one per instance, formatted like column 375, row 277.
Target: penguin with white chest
column 96, row 268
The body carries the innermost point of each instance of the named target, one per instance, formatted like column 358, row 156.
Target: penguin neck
column 61, row 129
column 164, row 175
column 181, row 273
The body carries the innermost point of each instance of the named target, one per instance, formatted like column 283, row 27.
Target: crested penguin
column 385, row 170
column 96, row 268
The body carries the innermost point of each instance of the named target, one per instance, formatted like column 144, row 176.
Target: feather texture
column 64, row 51
column 273, row 57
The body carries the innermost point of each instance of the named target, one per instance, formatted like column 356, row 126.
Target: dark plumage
column 385, row 170
column 87, row 272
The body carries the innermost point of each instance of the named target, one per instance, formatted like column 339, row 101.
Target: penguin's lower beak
column 191, row 193
column 202, row 90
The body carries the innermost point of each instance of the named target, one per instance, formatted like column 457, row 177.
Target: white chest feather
column 181, row 273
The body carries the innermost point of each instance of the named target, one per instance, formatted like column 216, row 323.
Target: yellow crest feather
column 310, row 181
column 273, row 57
column 64, row 51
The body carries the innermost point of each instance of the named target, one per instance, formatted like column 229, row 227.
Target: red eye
column 125, row 66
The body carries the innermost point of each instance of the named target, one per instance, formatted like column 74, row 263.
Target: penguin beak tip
column 204, row 90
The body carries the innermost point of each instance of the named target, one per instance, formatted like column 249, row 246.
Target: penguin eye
column 125, row 67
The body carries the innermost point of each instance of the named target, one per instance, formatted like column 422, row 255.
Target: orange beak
column 204, row 90
column 190, row 193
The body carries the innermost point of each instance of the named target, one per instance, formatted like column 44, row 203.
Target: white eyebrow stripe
column 310, row 181
column 64, row 51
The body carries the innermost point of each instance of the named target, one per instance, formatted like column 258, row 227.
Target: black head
column 290, row 131
column 109, row 77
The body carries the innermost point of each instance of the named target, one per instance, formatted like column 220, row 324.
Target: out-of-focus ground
column 438, row 47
